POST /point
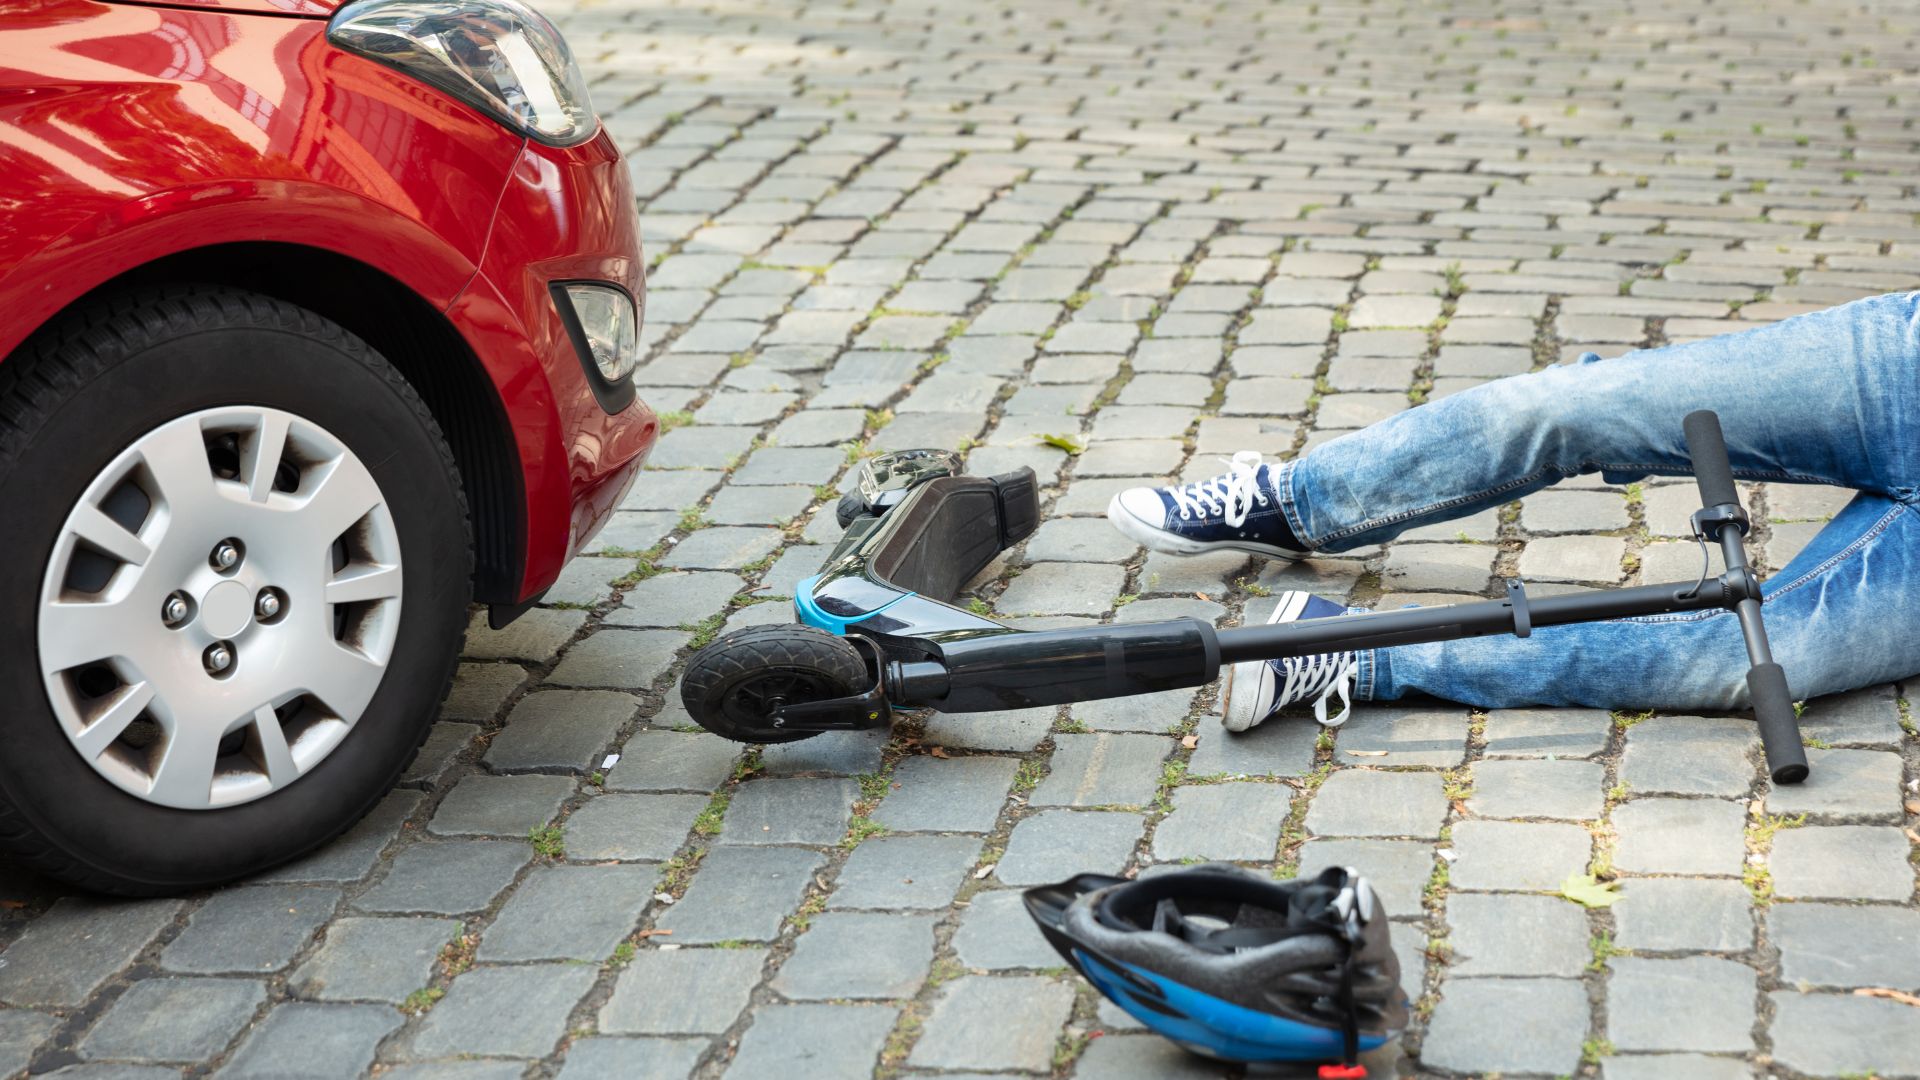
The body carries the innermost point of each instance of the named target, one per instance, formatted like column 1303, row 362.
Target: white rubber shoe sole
column 1246, row 691
column 1155, row 538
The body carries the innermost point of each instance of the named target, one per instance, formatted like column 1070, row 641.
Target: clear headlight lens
column 500, row 56
column 611, row 328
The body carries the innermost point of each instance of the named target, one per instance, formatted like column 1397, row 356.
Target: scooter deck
column 955, row 528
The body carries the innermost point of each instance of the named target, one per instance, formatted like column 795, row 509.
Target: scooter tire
column 731, row 685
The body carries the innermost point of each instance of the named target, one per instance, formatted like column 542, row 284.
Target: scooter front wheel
column 733, row 686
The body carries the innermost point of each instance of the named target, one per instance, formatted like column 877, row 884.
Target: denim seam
column 1376, row 523
column 1878, row 527
column 1366, row 661
column 1742, row 474
column 1283, row 491
column 1585, row 467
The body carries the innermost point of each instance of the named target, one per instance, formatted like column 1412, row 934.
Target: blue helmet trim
column 1209, row 1026
column 806, row 611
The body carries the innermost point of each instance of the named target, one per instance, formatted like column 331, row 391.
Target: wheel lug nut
column 175, row 610
column 226, row 555
column 218, row 657
column 267, row 605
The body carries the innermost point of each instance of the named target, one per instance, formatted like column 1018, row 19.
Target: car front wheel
column 234, row 578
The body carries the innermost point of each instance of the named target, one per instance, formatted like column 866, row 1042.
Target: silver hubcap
column 220, row 607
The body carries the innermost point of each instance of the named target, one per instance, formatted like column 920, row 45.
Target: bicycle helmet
column 1233, row 965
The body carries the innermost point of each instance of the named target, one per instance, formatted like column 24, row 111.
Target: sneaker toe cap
column 1144, row 505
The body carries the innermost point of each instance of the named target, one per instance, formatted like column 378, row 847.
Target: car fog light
column 609, row 328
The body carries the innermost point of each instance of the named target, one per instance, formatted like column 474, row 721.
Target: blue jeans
column 1827, row 398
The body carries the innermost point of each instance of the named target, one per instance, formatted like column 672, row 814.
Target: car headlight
column 609, row 328
column 499, row 56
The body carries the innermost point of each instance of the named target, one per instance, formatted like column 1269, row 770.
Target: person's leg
column 1832, row 397
column 1845, row 613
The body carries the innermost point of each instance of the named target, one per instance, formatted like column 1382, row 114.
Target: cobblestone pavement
column 1163, row 231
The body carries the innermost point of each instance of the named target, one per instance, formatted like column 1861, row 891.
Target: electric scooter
column 877, row 631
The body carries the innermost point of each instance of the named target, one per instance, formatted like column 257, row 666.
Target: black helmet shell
column 1232, row 964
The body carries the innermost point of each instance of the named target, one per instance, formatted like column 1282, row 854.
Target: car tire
column 74, row 402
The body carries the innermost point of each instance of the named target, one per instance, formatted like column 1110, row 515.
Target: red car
column 317, row 322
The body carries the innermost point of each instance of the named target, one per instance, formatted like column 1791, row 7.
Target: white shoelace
column 1231, row 495
column 1320, row 677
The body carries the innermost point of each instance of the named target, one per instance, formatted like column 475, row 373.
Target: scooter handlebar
column 1779, row 729
column 1708, row 449
column 1766, row 682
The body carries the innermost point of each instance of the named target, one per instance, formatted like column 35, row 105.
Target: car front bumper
column 564, row 215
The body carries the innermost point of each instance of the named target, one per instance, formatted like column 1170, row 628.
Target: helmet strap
column 1349, row 1014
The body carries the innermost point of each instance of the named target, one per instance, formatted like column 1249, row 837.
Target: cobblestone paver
column 1113, row 242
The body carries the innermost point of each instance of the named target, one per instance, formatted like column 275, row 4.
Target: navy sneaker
column 1237, row 510
column 1256, row 689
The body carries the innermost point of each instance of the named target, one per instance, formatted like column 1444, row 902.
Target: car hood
column 315, row 9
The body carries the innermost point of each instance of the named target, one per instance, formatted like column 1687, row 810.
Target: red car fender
column 131, row 133
column 565, row 215
column 181, row 219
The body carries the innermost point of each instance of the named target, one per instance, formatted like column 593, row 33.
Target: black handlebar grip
column 1708, row 449
column 1779, row 730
